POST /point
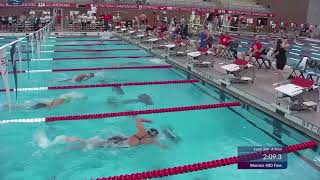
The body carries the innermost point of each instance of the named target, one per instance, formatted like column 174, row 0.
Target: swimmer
column 142, row 98
column 118, row 90
column 79, row 78
column 143, row 136
column 64, row 98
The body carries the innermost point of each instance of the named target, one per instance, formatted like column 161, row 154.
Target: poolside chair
column 230, row 52
column 241, row 70
column 314, row 75
column 265, row 60
column 300, row 69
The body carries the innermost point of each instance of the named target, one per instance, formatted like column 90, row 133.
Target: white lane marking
column 243, row 42
column 52, row 37
column 296, row 49
column 30, row 120
column 316, row 47
column 48, row 59
column 294, row 53
column 316, row 54
column 294, row 59
column 40, row 70
column 32, row 89
column 297, row 46
column 315, row 58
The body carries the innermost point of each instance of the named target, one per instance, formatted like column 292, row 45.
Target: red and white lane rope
column 90, row 58
column 105, row 85
column 117, row 114
column 209, row 164
column 94, row 69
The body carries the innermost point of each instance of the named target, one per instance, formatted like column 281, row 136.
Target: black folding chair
column 300, row 69
column 314, row 71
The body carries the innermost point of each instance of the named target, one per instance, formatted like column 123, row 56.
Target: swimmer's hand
column 144, row 120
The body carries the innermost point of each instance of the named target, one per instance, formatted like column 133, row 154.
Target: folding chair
column 230, row 52
column 314, row 74
column 300, row 68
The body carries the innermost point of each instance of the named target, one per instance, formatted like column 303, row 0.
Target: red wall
column 288, row 10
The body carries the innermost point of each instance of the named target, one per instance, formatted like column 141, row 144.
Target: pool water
column 206, row 134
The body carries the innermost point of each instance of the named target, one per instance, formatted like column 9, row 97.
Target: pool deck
column 260, row 94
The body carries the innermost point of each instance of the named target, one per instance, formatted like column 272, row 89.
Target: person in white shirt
column 93, row 21
column 47, row 18
column 42, row 20
column 32, row 13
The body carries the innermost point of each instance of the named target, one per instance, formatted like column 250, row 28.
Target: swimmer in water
column 63, row 99
column 141, row 137
column 142, row 98
column 79, row 78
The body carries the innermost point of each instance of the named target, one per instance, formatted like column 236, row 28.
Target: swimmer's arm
column 140, row 126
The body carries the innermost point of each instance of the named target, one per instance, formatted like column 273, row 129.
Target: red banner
column 176, row 8
column 144, row 7
column 39, row 5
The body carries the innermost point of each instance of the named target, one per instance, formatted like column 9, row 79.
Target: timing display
column 273, row 160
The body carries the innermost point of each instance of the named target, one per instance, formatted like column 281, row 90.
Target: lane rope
column 125, row 113
column 209, row 164
column 185, row 81
column 94, row 69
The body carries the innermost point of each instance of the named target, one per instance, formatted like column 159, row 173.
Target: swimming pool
column 206, row 134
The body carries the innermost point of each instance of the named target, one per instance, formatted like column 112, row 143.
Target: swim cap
column 152, row 132
column 67, row 99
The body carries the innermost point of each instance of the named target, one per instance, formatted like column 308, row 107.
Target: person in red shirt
column 106, row 18
column 256, row 49
column 224, row 41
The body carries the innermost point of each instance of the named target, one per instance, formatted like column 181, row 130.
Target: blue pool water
column 206, row 134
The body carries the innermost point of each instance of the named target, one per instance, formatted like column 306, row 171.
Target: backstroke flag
column 14, row 66
column 4, row 73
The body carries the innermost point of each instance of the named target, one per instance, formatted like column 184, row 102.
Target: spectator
column 42, row 20
column 23, row 21
column 32, row 20
column 256, row 49
column 224, row 41
column 37, row 24
column 10, row 22
column 32, row 13
column 143, row 18
column 106, row 19
column 93, row 21
column 205, row 39
column 2, row 23
column 281, row 57
column 47, row 17
column 182, row 20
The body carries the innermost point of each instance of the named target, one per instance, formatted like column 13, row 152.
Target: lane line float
column 125, row 113
column 209, row 164
column 94, row 69
column 186, row 81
